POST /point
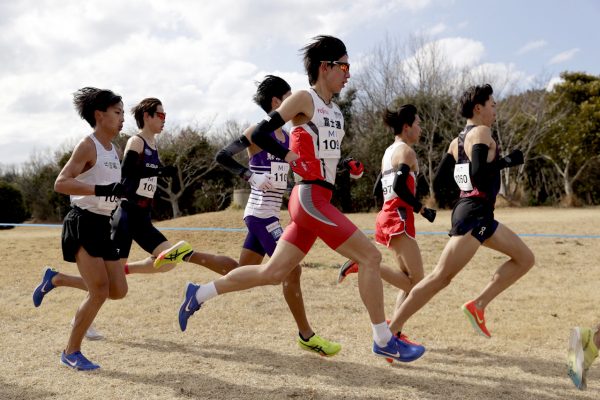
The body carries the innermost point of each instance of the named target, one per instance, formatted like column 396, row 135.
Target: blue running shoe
column 398, row 350
column 189, row 306
column 77, row 361
column 43, row 288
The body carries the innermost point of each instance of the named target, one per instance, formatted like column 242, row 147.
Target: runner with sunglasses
column 314, row 153
column 267, row 176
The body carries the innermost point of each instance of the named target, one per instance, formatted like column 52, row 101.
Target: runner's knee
column 98, row 291
column 117, row 293
column 370, row 259
column 526, row 260
column 294, row 276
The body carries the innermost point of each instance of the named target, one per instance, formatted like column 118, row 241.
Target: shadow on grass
column 11, row 391
column 331, row 376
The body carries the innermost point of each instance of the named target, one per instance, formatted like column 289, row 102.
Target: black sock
column 302, row 337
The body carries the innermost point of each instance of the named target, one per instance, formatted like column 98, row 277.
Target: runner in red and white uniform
column 395, row 223
column 318, row 129
column 473, row 160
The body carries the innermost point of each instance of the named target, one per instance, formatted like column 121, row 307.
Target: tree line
column 557, row 129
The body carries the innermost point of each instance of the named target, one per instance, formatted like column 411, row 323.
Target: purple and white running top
column 268, row 204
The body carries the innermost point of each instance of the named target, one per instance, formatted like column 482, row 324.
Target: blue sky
column 202, row 58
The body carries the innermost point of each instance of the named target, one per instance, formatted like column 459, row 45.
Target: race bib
column 387, row 184
column 330, row 142
column 462, row 177
column 147, row 187
column 107, row 203
column 275, row 230
column 279, row 171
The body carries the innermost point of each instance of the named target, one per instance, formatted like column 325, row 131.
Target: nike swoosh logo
column 390, row 354
column 44, row 287
column 187, row 306
column 72, row 364
column 479, row 321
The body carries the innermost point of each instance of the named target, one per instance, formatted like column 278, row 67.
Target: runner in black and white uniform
column 473, row 162
column 268, row 178
column 91, row 177
column 314, row 153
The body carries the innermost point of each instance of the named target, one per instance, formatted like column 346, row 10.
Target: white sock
column 381, row 333
column 206, row 292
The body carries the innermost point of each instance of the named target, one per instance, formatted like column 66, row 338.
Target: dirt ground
column 242, row 345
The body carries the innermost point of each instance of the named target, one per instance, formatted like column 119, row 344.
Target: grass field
column 242, row 345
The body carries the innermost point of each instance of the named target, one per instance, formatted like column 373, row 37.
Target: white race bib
column 462, row 177
column 147, row 187
column 279, row 171
column 330, row 142
column 107, row 203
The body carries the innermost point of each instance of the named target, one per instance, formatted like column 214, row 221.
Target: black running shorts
column 131, row 222
column 475, row 215
column 89, row 230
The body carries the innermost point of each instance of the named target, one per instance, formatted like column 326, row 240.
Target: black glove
column 112, row 189
column 511, row 160
column 429, row 214
column 168, row 171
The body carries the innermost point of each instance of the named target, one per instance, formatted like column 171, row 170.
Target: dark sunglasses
column 344, row 66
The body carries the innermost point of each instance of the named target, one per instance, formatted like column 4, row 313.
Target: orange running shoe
column 347, row 268
column 476, row 318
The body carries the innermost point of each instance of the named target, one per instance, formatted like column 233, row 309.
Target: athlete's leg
column 359, row 248
column 216, row 263
column 408, row 256
column 76, row 282
column 521, row 260
column 285, row 258
column 456, row 254
column 95, row 275
column 116, row 279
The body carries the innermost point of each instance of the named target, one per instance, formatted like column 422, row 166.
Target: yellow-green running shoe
column 174, row 254
column 319, row 345
column 581, row 353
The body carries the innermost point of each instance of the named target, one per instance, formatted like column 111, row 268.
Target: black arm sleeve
column 480, row 168
column 261, row 135
column 401, row 189
column 225, row 155
column 443, row 176
column 130, row 167
column 378, row 187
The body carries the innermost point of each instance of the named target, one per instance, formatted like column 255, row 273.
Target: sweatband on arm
column 378, row 187
column 225, row 155
column 130, row 165
column 480, row 168
column 401, row 189
column 261, row 135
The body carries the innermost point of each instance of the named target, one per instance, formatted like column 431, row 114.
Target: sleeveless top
column 388, row 173
column 319, row 141
column 268, row 204
column 107, row 169
column 141, row 191
column 462, row 173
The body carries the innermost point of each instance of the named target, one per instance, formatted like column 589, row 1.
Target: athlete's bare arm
column 481, row 134
column 405, row 155
column 298, row 108
column 82, row 159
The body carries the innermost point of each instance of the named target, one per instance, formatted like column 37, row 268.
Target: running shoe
column 92, row 333
column 581, row 354
column 347, row 268
column 398, row 350
column 43, row 288
column 189, row 306
column 174, row 255
column 320, row 346
column 77, row 361
column 476, row 318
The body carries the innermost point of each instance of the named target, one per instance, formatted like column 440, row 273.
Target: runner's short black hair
column 472, row 96
column 271, row 86
column 89, row 99
column 322, row 48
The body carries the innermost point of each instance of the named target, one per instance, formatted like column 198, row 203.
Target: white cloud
column 437, row 29
column 461, row 52
column 530, row 46
column 564, row 56
column 555, row 80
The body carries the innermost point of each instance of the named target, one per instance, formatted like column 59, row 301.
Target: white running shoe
column 92, row 333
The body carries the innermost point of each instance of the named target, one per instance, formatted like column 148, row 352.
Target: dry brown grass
column 242, row 345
